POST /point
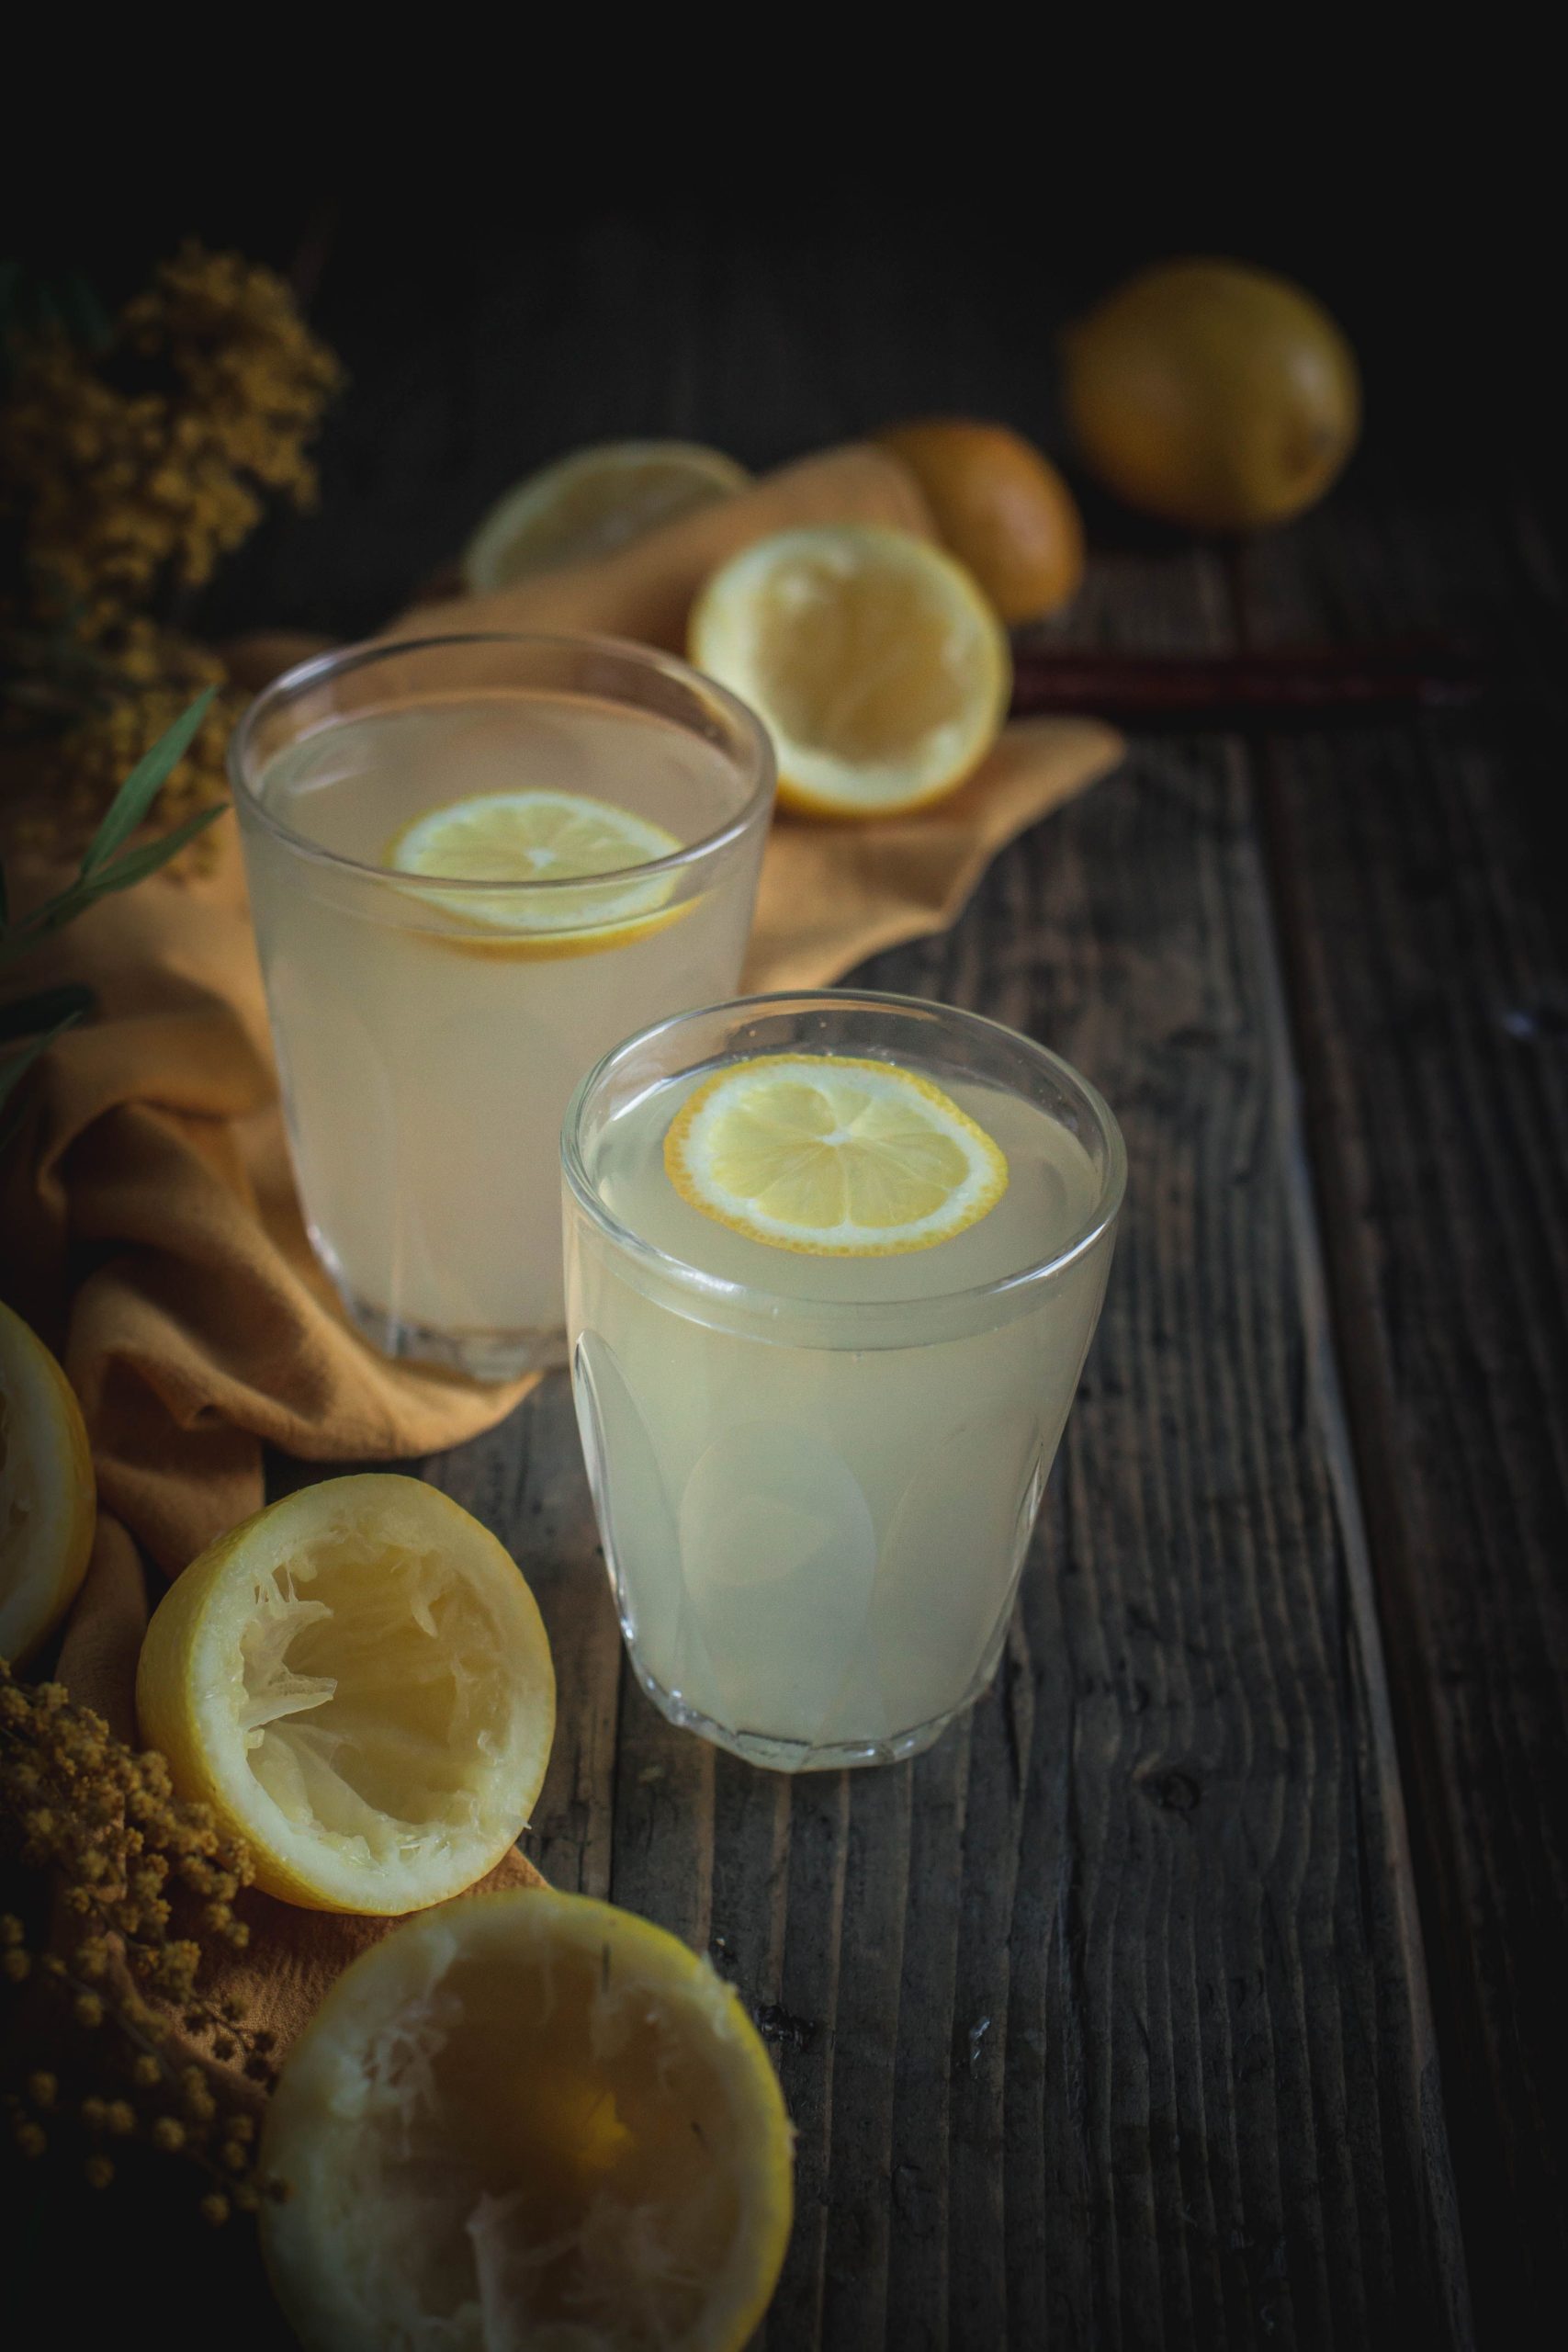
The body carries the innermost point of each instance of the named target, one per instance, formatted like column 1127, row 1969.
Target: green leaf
column 56, row 912
column 12, row 1072
column 142, row 785
column 150, row 857
column 45, row 1009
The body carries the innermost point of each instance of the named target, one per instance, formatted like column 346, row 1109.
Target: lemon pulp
column 527, row 2117
column 878, row 665
column 359, row 1682
column 834, row 1155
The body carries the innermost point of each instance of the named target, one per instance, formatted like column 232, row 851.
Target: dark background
column 771, row 260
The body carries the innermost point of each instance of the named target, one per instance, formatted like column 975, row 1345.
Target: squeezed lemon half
column 878, row 665
column 592, row 502
column 833, row 1156
column 358, row 1682
column 48, row 1504
column 555, row 837
column 527, row 2118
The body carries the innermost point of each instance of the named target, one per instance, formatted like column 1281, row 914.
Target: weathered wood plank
column 1421, row 910
column 1104, row 2022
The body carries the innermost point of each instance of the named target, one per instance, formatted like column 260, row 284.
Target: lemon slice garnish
column 879, row 667
column 592, row 502
column 358, row 1682
column 540, row 837
column 526, row 2118
column 48, row 1505
column 833, row 1156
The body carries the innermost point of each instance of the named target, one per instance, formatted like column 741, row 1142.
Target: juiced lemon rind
column 47, row 1496
column 811, row 596
column 592, row 502
column 359, row 1682
column 377, row 2081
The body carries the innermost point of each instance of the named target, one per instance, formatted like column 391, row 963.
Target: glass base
column 479, row 1356
column 794, row 1754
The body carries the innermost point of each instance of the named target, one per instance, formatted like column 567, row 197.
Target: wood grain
column 1421, row 908
column 1107, row 2021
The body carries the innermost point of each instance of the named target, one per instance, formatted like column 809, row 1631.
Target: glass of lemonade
column 475, row 862
column 833, row 1264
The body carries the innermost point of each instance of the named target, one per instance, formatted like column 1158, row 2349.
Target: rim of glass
column 1113, row 1180
column 293, row 683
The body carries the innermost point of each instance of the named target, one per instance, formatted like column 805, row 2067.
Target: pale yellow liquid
column 426, row 1055
column 816, row 1522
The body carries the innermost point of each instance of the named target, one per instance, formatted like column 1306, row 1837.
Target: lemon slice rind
column 849, row 1133
column 539, row 836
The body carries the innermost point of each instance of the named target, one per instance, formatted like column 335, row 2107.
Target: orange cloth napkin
column 148, row 1223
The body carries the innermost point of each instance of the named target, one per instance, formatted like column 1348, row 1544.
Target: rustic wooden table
column 1197, row 1990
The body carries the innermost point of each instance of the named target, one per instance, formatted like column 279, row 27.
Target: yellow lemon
column 1000, row 506
column 358, row 1682
column 526, row 2117
column 592, row 502
column 878, row 665
column 541, row 837
column 1212, row 394
column 832, row 1156
column 47, row 1504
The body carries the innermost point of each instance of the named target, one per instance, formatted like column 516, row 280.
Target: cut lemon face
column 48, row 1505
column 592, row 502
column 554, row 837
column 526, row 2117
column 359, row 1683
column 831, row 1156
column 879, row 667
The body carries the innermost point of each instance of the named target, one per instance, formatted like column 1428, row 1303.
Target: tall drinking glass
column 816, row 1475
column 431, row 1013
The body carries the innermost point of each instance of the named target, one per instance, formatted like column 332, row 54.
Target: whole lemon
column 1001, row 508
column 1212, row 394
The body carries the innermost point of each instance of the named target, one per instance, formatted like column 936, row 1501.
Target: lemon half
column 48, row 1503
column 537, row 836
column 878, row 663
column 526, row 2117
column 358, row 1682
column 592, row 502
column 832, row 1156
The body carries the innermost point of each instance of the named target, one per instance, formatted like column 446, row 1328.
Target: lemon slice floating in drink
column 48, row 1505
column 358, row 1682
column 878, row 663
column 833, row 1156
column 526, row 2118
column 541, row 837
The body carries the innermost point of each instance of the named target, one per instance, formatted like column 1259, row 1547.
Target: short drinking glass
column 431, row 1012
column 816, row 1475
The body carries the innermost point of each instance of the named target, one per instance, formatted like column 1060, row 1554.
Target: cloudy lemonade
column 429, row 1038
column 818, row 1475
